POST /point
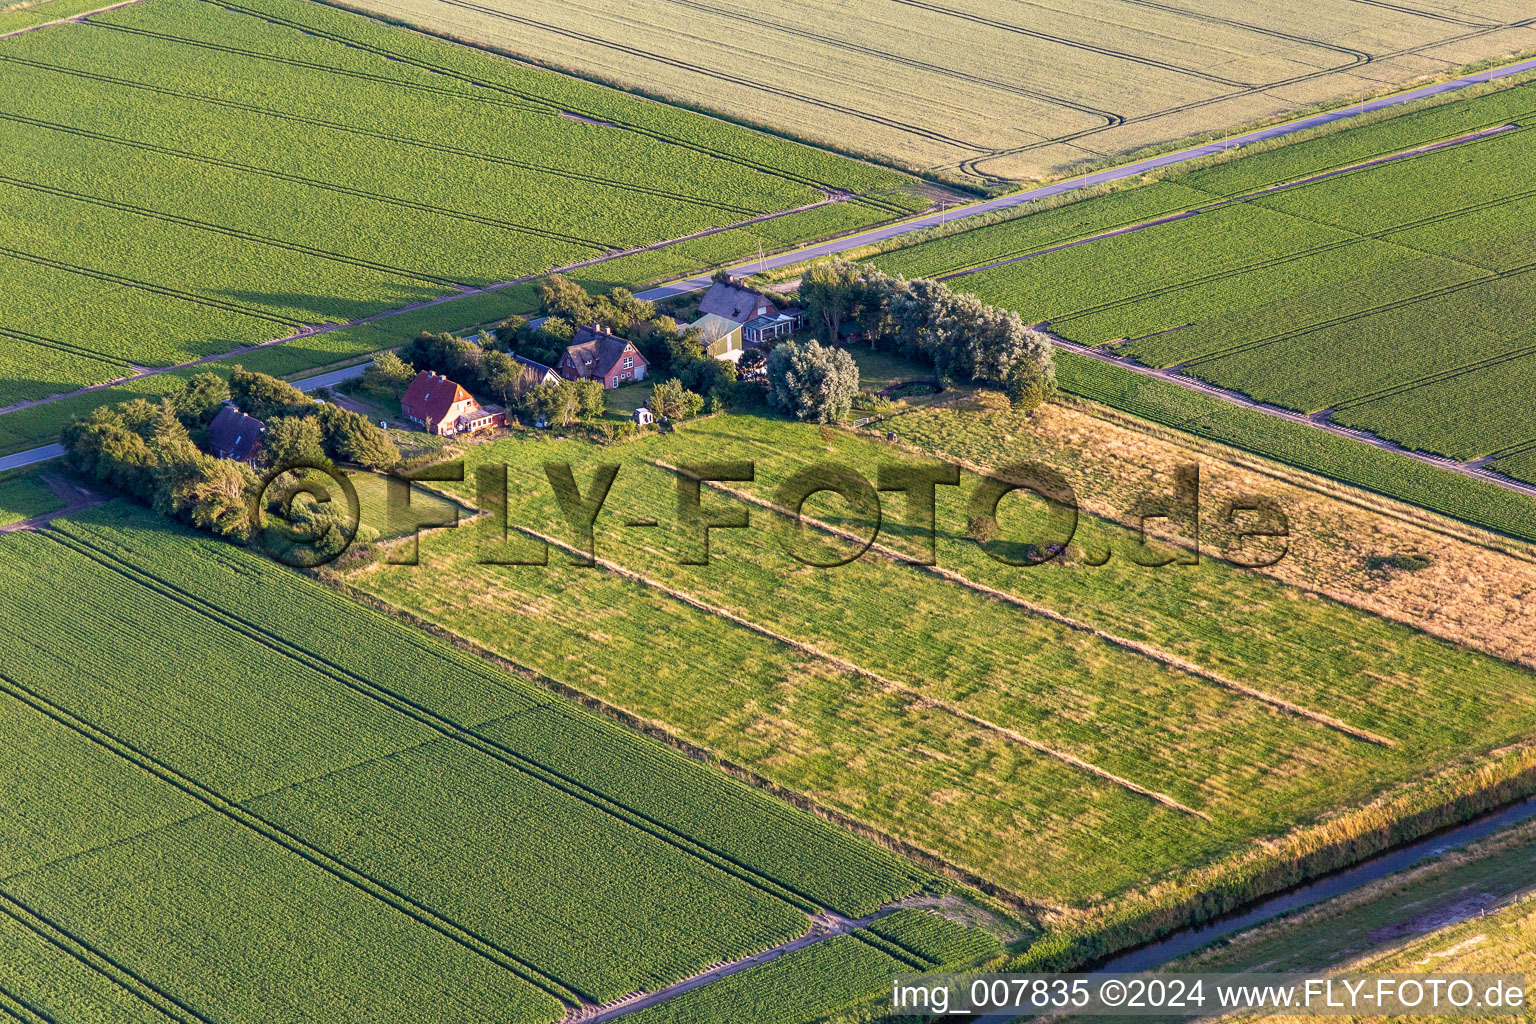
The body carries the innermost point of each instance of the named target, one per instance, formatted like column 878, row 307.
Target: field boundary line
column 296, row 845
column 889, row 685
column 73, row 18
column 1146, row 650
column 449, row 729
column 93, row 959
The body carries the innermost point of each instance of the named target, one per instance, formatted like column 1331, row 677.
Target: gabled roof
column 734, row 302
column 234, row 435
column 595, row 351
column 715, row 327
column 430, row 396
column 535, row 374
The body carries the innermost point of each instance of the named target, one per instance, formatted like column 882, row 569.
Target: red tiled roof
column 431, row 396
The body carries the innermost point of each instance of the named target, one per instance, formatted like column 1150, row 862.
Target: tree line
column 157, row 452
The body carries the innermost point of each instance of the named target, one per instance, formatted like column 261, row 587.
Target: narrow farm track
column 1145, row 650
column 542, row 101
column 889, row 685
column 448, row 728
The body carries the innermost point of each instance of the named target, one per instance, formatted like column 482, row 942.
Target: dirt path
column 825, row 926
column 74, row 496
column 65, row 21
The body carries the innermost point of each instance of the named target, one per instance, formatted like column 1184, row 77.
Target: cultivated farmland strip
column 401, row 140
column 556, row 108
column 445, row 726
column 157, row 999
column 296, row 845
column 245, row 236
column 19, row 1009
column 297, row 179
column 128, row 282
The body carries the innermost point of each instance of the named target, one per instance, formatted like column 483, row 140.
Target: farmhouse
column 757, row 317
column 444, row 408
column 234, row 435
column 599, row 354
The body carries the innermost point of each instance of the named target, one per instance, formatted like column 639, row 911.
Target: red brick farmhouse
column 598, row 354
column 444, row 408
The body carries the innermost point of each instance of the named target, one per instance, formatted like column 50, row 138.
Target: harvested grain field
column 988, row 89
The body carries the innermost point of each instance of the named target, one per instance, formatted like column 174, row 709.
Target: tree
column 294, row 441
column 811, row 381
column 502, row 376
column 265, row 397
column 389, row 375
column 591, row 398
column 554, row 405
column 220, row 499
column 828, row 291
column 671, row 401
column 711, row 378
column 1029, row 383
column 349, row 437
column 200, row 399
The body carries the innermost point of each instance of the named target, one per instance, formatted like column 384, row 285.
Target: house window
column 614, row 383
column 628, row 362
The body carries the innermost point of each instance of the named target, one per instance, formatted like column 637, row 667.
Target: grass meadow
column 1018, row 724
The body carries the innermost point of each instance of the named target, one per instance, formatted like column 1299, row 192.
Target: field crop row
column 243, row 138
column 1382, row 292
column 925, row 84
column 531, row 855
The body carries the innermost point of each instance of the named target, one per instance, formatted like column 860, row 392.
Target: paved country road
column 860, row 239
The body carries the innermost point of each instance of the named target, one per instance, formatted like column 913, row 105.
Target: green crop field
column 281, row 799
column 1197, row 709
column 1390, row 296
column 277, row 166
column 22, row 496
column 983, row 88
